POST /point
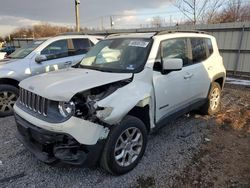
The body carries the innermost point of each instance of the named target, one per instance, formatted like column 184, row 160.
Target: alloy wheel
column 128, row 146
column 215, row 99
column 7, row 101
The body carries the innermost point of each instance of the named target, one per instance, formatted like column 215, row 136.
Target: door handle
column 188, row 75
column 68, row 64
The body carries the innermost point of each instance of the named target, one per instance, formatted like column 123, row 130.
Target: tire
column 213, row 104
column 125, row 162
column 8, row 97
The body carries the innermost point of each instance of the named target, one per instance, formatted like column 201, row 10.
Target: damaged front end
column 51, row 147
column 86, row 103
column 80, row 139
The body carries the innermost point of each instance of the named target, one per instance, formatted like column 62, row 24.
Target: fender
column 124, row 99
column 7, row 73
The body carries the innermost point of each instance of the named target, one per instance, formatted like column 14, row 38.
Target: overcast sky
column 127, row 13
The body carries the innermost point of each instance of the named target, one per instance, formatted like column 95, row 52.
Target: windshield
column 118, row 55
column 26, row 50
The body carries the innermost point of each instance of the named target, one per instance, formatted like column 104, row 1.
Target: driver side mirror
column 173, row 64
column 40, row 58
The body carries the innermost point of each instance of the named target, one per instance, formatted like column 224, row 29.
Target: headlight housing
column 66, row 109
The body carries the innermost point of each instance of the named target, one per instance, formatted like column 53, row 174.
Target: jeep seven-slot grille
column 33, row 102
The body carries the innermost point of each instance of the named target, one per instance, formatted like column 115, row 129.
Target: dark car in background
column 8, row 49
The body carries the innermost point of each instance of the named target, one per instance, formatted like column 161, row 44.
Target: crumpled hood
column 64, row 84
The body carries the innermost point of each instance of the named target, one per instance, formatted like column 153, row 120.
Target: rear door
column 199, row 79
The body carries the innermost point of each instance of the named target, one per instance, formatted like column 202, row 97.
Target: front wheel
column 8, row 97
column 125, row 146
column 213, row 104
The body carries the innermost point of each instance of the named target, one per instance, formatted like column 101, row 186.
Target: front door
column 172, row 90
column 58, row 57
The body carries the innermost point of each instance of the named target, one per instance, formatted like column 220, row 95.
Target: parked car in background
column 38, row 57
column 126, row 86
column 8, row 49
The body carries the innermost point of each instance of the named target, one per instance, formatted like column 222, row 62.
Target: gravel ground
column 169, row 152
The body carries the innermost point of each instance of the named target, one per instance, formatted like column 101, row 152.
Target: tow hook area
column 71, row 154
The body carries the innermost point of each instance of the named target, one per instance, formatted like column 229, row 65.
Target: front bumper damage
column 51, row 147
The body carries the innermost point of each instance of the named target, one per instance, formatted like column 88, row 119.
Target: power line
column 167, row 13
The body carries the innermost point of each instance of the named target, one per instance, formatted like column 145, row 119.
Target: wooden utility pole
column 102, row 27
column 111, row 22
column 77, row 2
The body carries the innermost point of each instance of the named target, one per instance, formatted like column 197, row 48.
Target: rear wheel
column 213, row 104
column 125, row 146
column 8, row 97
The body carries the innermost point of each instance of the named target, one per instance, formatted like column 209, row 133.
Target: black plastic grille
column 33, row 102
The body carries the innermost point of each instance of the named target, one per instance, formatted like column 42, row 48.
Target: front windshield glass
column 26, row 50
column 118, row 55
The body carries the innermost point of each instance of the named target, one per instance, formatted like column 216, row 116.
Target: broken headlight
column 66, row 109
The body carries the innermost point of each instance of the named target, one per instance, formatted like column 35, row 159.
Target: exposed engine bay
column 85, row 102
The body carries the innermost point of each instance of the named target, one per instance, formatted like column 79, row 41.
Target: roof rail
column 180, row 31
column 72, row 33
column 128, row 33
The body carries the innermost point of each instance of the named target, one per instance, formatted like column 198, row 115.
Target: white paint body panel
column 64, row 84
column 125, row 98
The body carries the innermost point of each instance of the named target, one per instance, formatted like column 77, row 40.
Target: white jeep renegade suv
column 127, row 86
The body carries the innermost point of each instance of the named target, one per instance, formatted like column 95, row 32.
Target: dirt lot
column 193, row 151
column 224, row 159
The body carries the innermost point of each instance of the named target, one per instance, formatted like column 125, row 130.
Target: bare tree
column 234, row 11
column 198, row 10
column 41, row 30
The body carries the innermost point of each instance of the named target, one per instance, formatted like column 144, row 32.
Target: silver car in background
column 40, row 56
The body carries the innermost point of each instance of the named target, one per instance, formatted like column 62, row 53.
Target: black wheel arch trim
column 219, row 75
column 9, row 81
column 215, row 77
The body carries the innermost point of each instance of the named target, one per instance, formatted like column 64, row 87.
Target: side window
column 80, row 46
column 175, row 48
column 199, row 50
column 55, row 50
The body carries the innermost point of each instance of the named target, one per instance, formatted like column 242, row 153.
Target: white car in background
column 2, row 55
column 40, row 56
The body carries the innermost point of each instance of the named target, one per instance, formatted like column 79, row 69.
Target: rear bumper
column 51, row 147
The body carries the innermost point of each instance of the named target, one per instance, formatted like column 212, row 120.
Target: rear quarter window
column 209, row 46
column 199, row 49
